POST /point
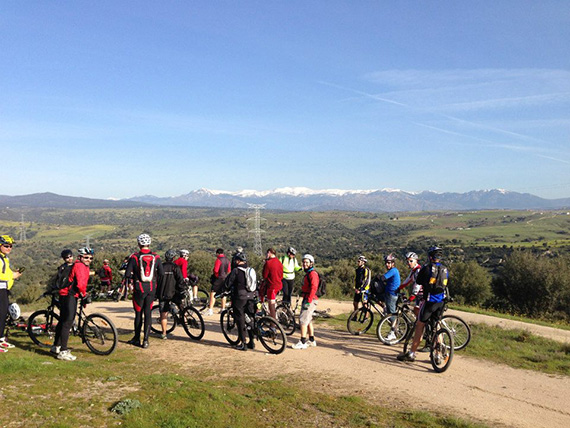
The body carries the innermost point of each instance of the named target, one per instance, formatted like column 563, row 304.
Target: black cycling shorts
column 430, row 309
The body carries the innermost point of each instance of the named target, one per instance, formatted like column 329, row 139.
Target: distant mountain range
column 304, row 199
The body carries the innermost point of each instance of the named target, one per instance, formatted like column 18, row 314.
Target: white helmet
column 184, row 253
column 309, row 258
column 412, row 255
column 144, row 240
column 14, row 311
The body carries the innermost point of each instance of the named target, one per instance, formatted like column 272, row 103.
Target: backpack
column 102, row 273
column 146, row 262
column 62, row 278
column 224, row 264
column 322, row 288
column 250, row 278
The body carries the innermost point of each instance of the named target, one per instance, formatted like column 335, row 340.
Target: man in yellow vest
column 290, row 266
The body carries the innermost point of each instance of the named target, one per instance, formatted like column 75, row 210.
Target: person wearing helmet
column 182, row 263
column 310, row 299
column 144, row 270
column 7, row 278
column 433, row 277
column 392, row 280
column 361, row 282
column 290, row 266
column 222, row 267
column 411, row 280
column 106, row 277
column 74, row 286
column 272, row 279
column 170, row 288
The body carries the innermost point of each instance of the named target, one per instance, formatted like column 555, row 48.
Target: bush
column 469, row 283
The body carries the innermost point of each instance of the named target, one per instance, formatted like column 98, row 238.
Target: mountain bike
column 438, row 339
column 288, row 318
column 97, row 293
column 185, row 314
column 264, row 328
column 360, row 320
column 393, row 328
column 96, row 330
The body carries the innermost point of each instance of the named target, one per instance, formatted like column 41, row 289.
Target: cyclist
column 272, row 278
column 222, row 268
column 170, row 285
column 74, row 286
column 290, row 266
column 361, row 282
column 392, row 280
column 125, row 284
column 433, row 278
column 7, row 278
column 416, row 292
column 106, row 276
column 144, row 271
column 63, row 270
column 242, row 300
column 309, row 290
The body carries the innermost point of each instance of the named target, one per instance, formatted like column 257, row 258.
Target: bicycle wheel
column 99, row 334
column 459, row 329
column 360, row 321
column 229, row 326
column 193, row 323
column 155, row 325
column 201, row 300
column 392, row 329
column 271, row 335
column 286, row 318
column 41, row 327
column 441, row 350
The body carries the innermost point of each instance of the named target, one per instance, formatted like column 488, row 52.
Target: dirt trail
column 347, row 364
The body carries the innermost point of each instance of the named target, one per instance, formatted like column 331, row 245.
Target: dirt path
column 347, row 364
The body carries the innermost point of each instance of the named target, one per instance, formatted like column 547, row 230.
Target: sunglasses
column 7, row 245
column 87, row 257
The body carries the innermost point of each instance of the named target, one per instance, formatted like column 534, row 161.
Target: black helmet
column 241, row 256
column 435, row 251
column 169, row 255
column 66, row 253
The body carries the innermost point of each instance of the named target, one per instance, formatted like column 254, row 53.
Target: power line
column 22, row 230
column 257, row 231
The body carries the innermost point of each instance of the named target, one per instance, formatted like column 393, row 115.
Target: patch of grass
column 519, row 349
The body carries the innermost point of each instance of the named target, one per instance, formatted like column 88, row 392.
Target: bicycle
column 264, row 328
column 288, row 317
column 96, row 330
column 97, row 293
column 184, row 313
column 393, row 328
column 360, row 320
column 438, row 339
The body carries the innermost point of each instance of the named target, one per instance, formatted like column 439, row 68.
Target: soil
column 361, row 365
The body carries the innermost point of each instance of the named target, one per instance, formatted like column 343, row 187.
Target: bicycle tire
column 40, row 330
column 201, row 300
column 229, row 326
column 155, row 325
column 360, row 321
column 399, row 326
column 271, row 335
column 441, row 350
column 100, row 334
column 193, row 323
column 286, row 318
column 459, row 329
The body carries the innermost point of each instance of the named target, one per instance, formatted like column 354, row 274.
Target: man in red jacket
column 272, row 279
column 76, row 286
column 309, row 290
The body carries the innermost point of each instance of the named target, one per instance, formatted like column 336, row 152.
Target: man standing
column 144, row 271
column 75, row 286
column 309, row 290
column 272, row 278
column 170, row 285
column 221, row 269
column 290, row 266
column 392, row 280
column 361, row 281
column 182, row 263
column 7, row 277
column 416, row 293
column 433, row 278
column 106, row 276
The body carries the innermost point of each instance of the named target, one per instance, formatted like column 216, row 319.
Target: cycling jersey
column 310, row 285
column 362, row 278
column 78, row 279
column 273, row 274
column 171, row 282
column 6, row 274
column 412, row 280
column 392, row 279
column 182, row 263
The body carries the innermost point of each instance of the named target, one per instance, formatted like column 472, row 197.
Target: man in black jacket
column 170, row 288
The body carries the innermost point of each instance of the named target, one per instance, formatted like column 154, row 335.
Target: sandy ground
column 346, row 364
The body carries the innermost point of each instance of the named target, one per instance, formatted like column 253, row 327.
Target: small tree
column 469, row 283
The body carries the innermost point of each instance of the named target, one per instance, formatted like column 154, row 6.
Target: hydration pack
column 146, row 262
column 250, row 278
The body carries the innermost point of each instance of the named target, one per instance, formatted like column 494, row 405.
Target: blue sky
column 116, row 99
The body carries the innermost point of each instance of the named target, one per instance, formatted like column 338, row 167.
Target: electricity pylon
column 257, row 231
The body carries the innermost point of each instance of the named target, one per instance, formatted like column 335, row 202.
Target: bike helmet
column 363, row 259
column 412, row 255
column 292, row 250
column 14, row 311
column 169, row 255
column 66, row 253
column 6, row 240
column 389, row 258
column 184, row 253
column 85, row 251
column 144, row 240
column 309, row 258
column 435, row 251
column 241, row 256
